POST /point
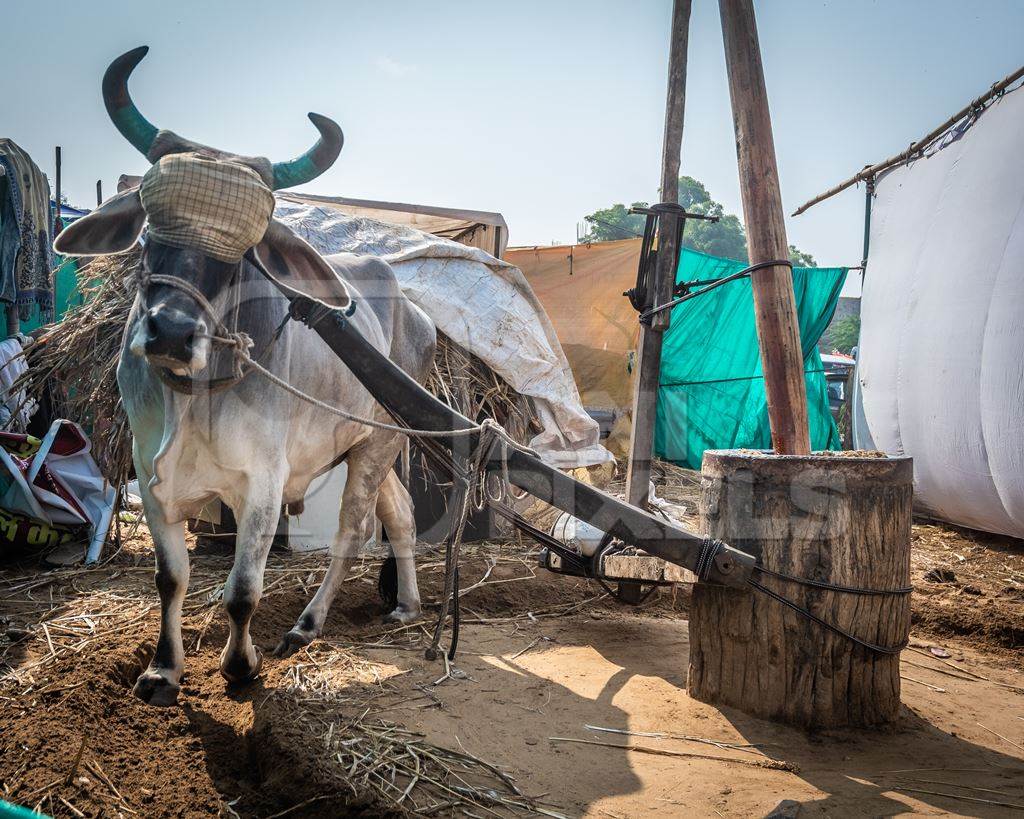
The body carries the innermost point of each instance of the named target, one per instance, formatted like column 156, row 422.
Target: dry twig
column 770, row 764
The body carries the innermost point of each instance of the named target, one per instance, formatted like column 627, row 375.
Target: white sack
column 481, row 303
column 12, row 367
column 941, row 365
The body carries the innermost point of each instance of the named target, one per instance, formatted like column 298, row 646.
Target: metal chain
column 821, row 584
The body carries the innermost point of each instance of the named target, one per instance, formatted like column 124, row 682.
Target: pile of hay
column 76, row 360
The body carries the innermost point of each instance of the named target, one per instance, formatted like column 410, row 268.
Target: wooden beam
column 775, row 306
column 644, row 568
column 632, row 569
column 645, row 389
column 645, row 403
column 671, row 155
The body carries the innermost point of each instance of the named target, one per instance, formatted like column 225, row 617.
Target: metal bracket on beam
column 642, row 295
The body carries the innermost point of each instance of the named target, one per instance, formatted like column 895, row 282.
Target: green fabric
column 711, row 393
column 9, row 811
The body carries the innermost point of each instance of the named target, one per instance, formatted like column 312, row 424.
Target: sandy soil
column 543, row 659
column 984, row 598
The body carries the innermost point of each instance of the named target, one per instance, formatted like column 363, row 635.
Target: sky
column 543, row 111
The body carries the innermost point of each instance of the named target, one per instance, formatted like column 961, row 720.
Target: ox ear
column 113, row 227
column 296, row 267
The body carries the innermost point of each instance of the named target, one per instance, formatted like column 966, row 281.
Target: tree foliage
column 725, row 238
column 801, row 259
column 845, row 334
column 616, row 222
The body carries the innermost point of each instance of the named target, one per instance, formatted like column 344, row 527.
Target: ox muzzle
column 172, row 337
column 173, row 330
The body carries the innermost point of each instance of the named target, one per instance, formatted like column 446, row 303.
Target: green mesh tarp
column 66, row 297
column 712, row 391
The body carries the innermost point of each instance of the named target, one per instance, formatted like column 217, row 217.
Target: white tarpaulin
column 941, row 364
column 479, row 302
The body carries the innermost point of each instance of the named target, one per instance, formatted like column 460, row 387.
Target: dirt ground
column 359, row 724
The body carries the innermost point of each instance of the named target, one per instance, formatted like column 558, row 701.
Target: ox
column 204, row 430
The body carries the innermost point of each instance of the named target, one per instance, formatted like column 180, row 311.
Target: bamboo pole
column 645, row 389
column 915, row 147
column 775, row 306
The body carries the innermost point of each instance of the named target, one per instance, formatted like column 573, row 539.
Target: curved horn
column 134, row 127
column 316, row 160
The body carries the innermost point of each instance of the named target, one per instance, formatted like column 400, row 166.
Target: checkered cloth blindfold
column 219, row 208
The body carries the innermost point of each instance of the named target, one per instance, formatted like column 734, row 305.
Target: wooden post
column 778, row 331
column 834, row 519
column 645, row 389
column 57, row 224
column 99, row 192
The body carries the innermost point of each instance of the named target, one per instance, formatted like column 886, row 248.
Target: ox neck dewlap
column 219, row 208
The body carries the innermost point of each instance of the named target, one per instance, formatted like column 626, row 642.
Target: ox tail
column 387, row 582
column 393, row 507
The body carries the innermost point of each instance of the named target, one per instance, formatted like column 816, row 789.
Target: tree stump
column 842, row 520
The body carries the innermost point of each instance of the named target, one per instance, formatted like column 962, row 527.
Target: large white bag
column 481, row 303
column 941, row 360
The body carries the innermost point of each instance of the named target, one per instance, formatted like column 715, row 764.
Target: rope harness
column 470, row 472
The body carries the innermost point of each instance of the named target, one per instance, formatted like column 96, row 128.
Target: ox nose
column 170, row 334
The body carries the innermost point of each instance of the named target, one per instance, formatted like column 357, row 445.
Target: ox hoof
column 153, row 688
column 237, row 668
column 403, row 614
column 293, row 641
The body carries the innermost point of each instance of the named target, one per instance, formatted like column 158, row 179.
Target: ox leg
column 241, row 660
column 394, row 508
column 160, row 683
column 367, row 467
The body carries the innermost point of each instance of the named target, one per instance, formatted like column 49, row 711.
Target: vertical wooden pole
column 99, row 192
column 645, row 391
column 57, row 224
column 778, row 331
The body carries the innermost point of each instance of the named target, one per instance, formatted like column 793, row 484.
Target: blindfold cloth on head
column 219, row 208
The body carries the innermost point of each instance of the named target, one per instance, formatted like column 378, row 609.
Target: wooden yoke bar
column 411, row 405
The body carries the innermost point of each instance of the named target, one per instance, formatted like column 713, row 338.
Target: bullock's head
column 207, row 210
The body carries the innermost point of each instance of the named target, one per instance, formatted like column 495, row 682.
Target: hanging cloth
column 26, row 234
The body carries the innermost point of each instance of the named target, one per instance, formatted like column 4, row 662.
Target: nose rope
column 238, row 341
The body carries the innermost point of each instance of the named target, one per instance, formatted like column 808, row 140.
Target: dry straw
column 329, row 694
